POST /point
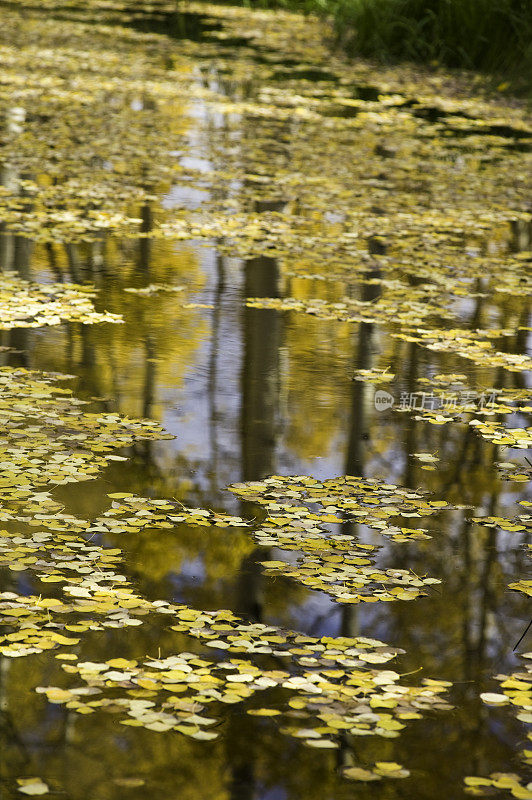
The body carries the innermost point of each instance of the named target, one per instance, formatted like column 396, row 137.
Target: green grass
column 479, row 34
column 489, row 35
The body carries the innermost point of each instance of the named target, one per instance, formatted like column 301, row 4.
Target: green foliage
column 484, row 34
column 492, row 35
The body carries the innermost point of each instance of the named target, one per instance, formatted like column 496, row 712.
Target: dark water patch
column 367, row 93
column 312, row 75
column 178, row 25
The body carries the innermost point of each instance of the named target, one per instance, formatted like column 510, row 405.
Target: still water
column 250, row 392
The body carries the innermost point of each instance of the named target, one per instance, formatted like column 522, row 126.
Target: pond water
column 367, row 212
